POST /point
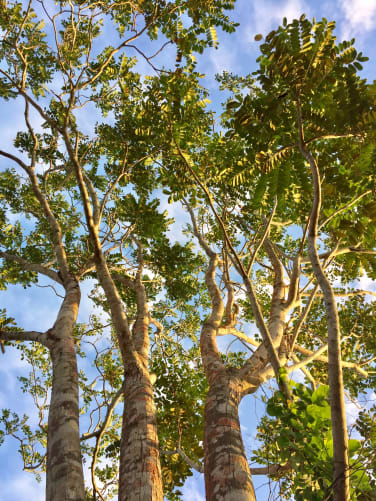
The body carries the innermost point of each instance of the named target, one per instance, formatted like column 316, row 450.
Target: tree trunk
column 140, row 472
column 227, row 474
column 341, row 467
column 64, row 480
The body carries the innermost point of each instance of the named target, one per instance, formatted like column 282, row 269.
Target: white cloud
column 221, row 59
column 360, row 16
column 193, row 489
column 269, row 14
column 180, row 217
column 368, row 284
column 352, row 411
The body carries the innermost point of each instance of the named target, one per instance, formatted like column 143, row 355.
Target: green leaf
column 320, row 394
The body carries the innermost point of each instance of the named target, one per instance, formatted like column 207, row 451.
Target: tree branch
column 35, row 267
column 260, row 322
column 34, row 336
column 343, row 208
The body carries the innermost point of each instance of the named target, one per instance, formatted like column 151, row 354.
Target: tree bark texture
column 227, row 474
column 64, row 480
column 140, row 471
column 341, row 468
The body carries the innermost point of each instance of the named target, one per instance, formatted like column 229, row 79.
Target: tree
column 290, row 119
column 251, row 255
column 51, row 69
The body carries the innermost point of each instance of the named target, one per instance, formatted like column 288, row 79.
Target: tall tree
column 270, row 256
column 58, row 69
column 291, row 110
column 41, row 251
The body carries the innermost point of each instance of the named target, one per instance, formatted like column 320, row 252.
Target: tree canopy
column 276, row 192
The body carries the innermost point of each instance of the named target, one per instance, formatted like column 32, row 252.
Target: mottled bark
column 140, row 471
column 64, row 480
column 227, row 474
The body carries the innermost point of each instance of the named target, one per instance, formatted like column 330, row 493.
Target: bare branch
column 343, row 208
column 314, row 356
column 264, row 235
column 39, row 337
column 272, row 469
column 359, row 292
column 110, row 409
column 225, row 331
column 192, row 464
column 196, row 231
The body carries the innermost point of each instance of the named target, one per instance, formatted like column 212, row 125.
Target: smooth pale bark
column 64, row 480
column 341, row 479
column 341, row 467
column 259, row 319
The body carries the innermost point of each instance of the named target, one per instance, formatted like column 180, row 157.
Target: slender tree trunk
column 341, row 468
column 140, row 472
column 227, row 474
column 65, row 480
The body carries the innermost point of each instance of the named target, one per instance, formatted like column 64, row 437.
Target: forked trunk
column 227, row 474
column 140, row 472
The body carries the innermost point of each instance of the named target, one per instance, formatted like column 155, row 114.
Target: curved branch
column 106, row 421
column 260, row 322
column 38, row 268
column 228, row 330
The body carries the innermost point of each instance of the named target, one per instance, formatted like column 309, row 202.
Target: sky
column 36, row 309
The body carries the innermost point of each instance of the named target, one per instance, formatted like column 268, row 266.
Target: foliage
column 151, row 140
column 298, row 434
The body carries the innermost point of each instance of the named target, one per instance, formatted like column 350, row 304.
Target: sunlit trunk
column 64, row 480
column 140, row 472
column 227, row 474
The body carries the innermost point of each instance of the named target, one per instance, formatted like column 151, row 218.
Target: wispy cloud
column 269, row 14
column 360, row 17
column 194, row 488
column 352, row 411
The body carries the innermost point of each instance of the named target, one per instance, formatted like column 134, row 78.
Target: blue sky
column 36, row 308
